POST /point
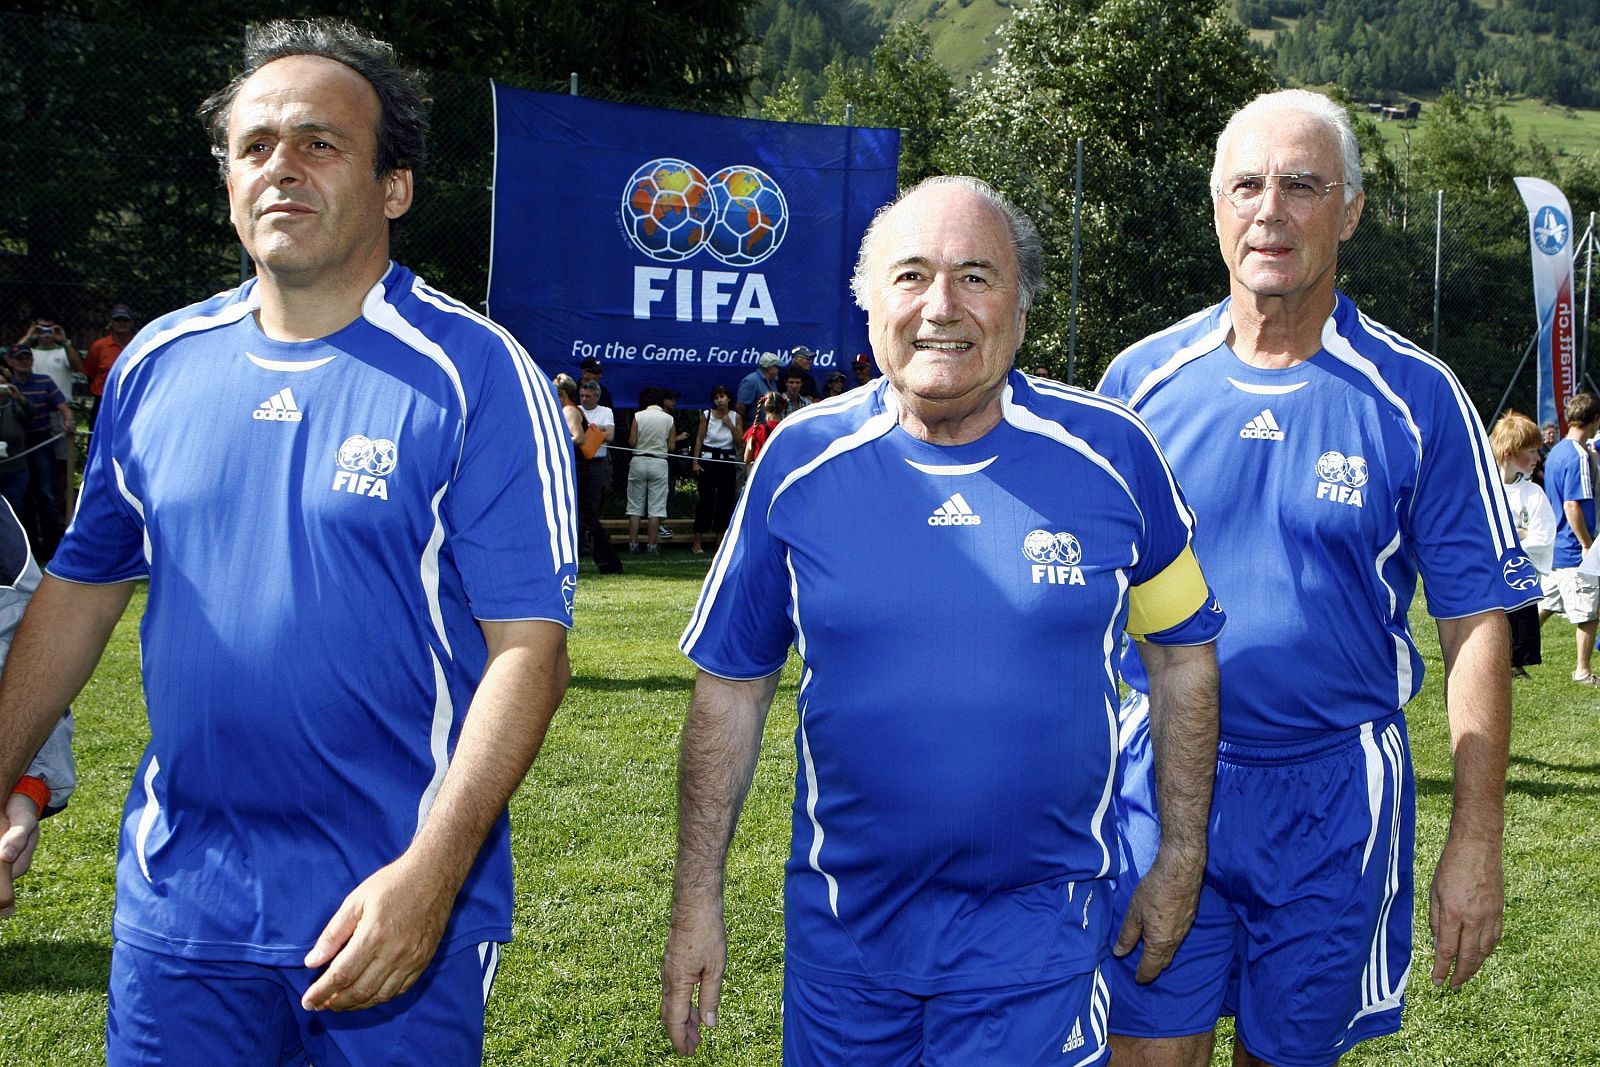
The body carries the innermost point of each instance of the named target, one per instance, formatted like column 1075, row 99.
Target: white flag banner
column 1550, row 245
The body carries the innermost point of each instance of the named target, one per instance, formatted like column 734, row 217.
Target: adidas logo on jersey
column 954, row 512
column 1075, row 1039
column 279, row 407
column 1262, row 428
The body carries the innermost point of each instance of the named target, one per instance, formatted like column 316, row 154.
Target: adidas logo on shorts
column 1262, row 428
column 954, row 512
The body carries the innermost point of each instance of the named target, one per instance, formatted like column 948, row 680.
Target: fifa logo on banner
column 672, row 211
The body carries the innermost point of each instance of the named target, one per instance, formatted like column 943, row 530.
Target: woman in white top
column 714, row 466
column 1515, row 440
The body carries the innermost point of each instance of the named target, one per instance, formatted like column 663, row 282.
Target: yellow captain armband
column 1168, row 598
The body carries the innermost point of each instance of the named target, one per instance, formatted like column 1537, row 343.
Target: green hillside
column 966, row 41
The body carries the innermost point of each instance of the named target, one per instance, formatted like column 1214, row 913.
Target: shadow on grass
column 49, row 966
column 649, row 682
column 1571, row 768
column 1542, row 790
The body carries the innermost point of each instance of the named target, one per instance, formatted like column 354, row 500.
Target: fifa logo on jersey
column 1340, row 478
column 1055, row 558
column 363, row 466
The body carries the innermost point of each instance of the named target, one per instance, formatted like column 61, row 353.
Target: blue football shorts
column 169, row 1010
column 1303, row 932
column 1059, row 1024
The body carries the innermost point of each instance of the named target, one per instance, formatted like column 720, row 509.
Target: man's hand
column 697, row 955
column 1468, row 899
column 381, row 938
column 1161, row 912
column 1465, row 908
column 19, row 836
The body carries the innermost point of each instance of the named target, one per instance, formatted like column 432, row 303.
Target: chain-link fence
column 108, row 194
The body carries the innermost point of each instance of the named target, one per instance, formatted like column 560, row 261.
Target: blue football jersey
column 957, row 610
column 1569, row 475
column 323, row 524
column 1321, row 492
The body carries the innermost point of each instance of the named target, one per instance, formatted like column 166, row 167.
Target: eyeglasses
column 1246, row 190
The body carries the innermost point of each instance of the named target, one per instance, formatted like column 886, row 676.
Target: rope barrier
column 675, row 455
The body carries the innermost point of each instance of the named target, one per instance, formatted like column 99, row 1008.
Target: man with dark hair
column 47, row 414
column 1569, row 482
column 861, row 367
column 361, row 572
column 55, row 357
column 590, row 372
column 800, row 359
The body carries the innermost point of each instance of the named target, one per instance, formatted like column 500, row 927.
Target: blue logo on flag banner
column 676, row 247
column 1550, row 231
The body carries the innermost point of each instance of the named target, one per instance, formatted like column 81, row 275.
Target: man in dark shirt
column 42, row 516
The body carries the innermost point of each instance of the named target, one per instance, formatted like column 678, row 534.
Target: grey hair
column 402, row 100
column 1025, row 239
column 1312, row 105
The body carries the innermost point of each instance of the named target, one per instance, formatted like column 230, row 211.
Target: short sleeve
column 741, row 628
column 510, row 511
column 1574, row 480
column 105, row 542
column 1169, row 601
column 1459, row 527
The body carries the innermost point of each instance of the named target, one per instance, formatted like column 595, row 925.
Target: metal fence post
column 1077, row 246
column 1438, row 263
column 572, row 84
column 1588, row 275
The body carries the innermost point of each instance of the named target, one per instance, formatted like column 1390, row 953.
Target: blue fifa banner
column 676, row 247
column 1550, row 245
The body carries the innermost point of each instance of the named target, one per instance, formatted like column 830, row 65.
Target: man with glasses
column 1330, row 463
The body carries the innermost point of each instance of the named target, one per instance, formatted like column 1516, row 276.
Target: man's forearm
column 721, row 741
column 1579, row 524
column 1183, row 733
column 1478, row 700
column 523, row 681
column 56, row 647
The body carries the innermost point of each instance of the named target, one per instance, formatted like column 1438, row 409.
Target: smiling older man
column 948, row 886
column 1330, row 462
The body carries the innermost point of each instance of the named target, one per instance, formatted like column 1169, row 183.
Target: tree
column 901, row 86
column 1148, row 85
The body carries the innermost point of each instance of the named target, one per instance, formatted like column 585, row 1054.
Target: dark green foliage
column 1545, row 48
column 108, row 192
column 901, row 86
column 1148, row 86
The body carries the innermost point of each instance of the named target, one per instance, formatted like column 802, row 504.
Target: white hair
column 1312, row 105
column 1025, row 239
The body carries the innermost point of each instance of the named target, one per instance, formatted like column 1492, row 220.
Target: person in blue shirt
column 953, row 552
column 352, row 497
column 1331, row 464
column 757, row 384
column 1569, row 477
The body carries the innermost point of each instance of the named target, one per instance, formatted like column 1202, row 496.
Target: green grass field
column 593, row 839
